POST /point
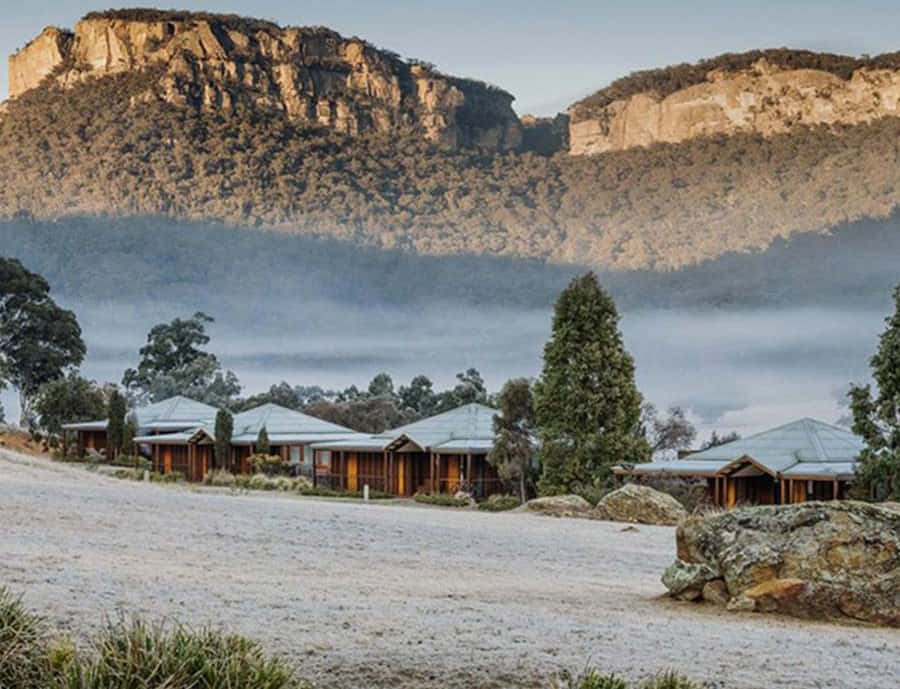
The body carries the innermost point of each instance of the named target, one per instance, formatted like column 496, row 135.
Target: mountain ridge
column 92, row 142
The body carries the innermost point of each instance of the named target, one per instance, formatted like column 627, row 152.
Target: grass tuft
column 499, row 503
column 441, row 499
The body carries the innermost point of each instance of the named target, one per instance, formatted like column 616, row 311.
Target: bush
column 129, row 474
column 21, row 635
column 325, row 492
column 499, row 503
column 220, row 478
column 171, row 477
column 135, row 654
column 441, row 499
column 267, row 464
column 592, row 679
column 131, row 655
column 261, row 482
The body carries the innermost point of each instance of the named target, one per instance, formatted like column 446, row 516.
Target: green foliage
column 223, row 432
column 419, row 396
column 499, row 503
column 68, row 400
column 587, row 405
column 39, row 341
column 876, row 418
column 515, row 433
column 173, row 363
column 594, row 679
column 441, row 500
column 116, row 410
column 132, row 654
column 22, row 658
column 262, row 445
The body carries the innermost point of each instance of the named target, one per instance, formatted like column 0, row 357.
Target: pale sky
column 547, row 54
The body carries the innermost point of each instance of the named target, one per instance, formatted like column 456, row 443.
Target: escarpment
column 765, row 99
column 315, row 76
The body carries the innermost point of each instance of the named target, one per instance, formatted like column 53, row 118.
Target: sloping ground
column 363, row 595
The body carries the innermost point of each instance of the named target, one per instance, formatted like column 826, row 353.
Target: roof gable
column 802, row 441
column 177, row 409
column 466, row 423
column 279, row 420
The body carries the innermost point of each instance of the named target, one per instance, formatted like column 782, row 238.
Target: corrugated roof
column 680, row 467
column 802, row 443
column 823, row 470
column 99, row 425
column 282, row 421
column 466, row 428
column 175, row 412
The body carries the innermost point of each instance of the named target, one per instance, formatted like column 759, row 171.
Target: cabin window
column 307, row 454
column 295, row 454
column 325, row 458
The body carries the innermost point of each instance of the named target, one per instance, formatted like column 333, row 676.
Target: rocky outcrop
column 821, row 560
column 640, row 504
column 560, row 506
column 764, row 99
column 312, row 75
column 38, row 59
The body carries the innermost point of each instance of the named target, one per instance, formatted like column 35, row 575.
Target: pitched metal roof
column 469, row 428
column 283, row 425
column 800, row 446
column 173, row 414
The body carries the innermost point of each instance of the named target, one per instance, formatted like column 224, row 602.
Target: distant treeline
column 185, row 263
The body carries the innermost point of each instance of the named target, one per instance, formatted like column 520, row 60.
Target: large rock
column 560, row 506
column 823, row 560
column 312, row 75
column 764, row 99
column 687, row 580
column 641, row 504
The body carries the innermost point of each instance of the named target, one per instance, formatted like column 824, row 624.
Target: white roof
column 283, row 426
column 469, row 428
column 173, row 414
column 803, row 448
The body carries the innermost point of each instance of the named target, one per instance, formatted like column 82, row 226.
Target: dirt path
column 360, row 594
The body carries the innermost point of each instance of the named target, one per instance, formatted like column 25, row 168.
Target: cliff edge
column 314, row 76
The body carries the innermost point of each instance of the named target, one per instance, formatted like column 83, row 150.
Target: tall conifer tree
column 877, row 419
column 587, row 405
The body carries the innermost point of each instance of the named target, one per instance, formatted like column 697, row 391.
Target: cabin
column 800, row 461
column 441, row 454
column 170, row 415
column 291, row 435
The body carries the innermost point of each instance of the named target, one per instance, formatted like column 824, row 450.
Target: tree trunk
column 522, row 486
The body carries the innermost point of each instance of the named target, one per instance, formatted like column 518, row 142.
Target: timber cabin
column 800, row 461
column 291, row 434
column 167, row 416
column 440, row 454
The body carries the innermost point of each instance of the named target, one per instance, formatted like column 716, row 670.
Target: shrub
column 266, row 464
column 21, row 634
column 220, row 478
column 171, row 477
column 591, row 679
column 670, row 680
column 129, row 474
column 261, row 482
column 499, row 503
column 283, row 483
column 135, row 654
column 441, row 499
column 302, row 483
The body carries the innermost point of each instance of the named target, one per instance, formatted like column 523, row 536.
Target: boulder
column 715, row 592
column 822, row 560
column 641, row 504
column 560, row 506
column 686, row 580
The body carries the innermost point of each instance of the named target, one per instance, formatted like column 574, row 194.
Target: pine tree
column 224, row 431
column 877, row 419
column 115, row 426
column 587, row 406
column 262, row 442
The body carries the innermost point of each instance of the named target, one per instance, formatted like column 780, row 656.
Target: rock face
column 821, row 560
column 765, row 100
column 641, row 504
column 560, row 506
column 312, row 75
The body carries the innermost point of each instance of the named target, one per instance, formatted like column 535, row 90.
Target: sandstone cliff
column 312, row 75
column 764, row 99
